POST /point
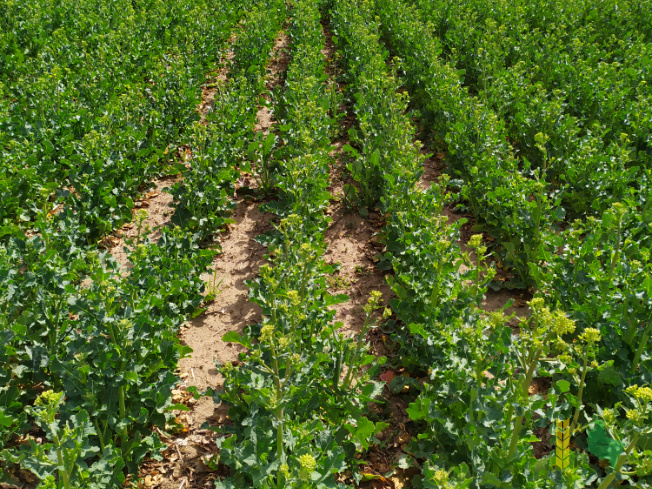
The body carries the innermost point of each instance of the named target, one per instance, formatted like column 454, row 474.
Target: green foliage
column 95, row 101
column 85, row 126
column 543, row 113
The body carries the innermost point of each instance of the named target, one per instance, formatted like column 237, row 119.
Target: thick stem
column 63, row 473
column 518, row 422
column 123, row 415
column 614, row 259
column 641, row 346
column 477, row 273
column 280, row 455
column 628, row 336
column 585, row 369
column 100, row 434
column 279, row 418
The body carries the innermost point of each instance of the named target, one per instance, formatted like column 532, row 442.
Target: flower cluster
column 308, row 465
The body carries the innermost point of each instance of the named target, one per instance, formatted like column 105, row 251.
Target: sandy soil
column 184, row 460
column 156, row 203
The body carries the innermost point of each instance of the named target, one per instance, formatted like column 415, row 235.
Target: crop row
column 297, row 397
column 93, row 103
column 584, row 84
column 596, row 271
column 221, row 147
column 610, row 262
column 90, row 349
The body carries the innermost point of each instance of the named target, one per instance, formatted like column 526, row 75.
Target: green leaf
column 419, row 409
column 197, row 312
column 374, row 159
column 418, row 329
column 563, row 385
column 330, row 300
column 609, row 375
column 184, row 351
column 225, row 484
column 235, row 337
column 364, row 430
column 177, row 407
column 5, row 420
column 645, row 441
column 602, row 445
column 48, row 148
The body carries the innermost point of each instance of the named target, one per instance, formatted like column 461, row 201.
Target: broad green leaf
column 235, row 337
column 177, row 407
column 563, row 385
column 330, row 300
column 602, row 445
column 5, row 420
column 419, row 409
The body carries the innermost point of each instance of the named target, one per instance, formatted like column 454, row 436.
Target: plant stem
column 280, row 482
column 279, row 418
column 518, row 422
column 63, row 473
column 123, row 415
column 621, row 461
column 585, row 369
column 614, row 259
column 100, row 434
column 641, row 345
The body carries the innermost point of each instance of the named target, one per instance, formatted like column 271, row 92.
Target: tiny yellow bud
column 475, row 241
column 266, row 333
column 635, row 415
column 308, row 464
column 644, row 393
column 590, row 336
column 294, row 298
column 440, row 477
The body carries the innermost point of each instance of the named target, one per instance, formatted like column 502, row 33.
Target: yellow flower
column 561, row 324
column 285, row 470
column 475, row 241
column 375, row 296
column 635, row 415
column 496, row 319
column 631, row 389
column 308, row 464
column 48, row 398
column 591, row 335
column 440, row 477
column 266, row 333
column 537, row 304
column 293, row 296
column 643, row 393
column 545, row 317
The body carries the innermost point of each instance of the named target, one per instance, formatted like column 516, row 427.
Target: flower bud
column 308, row 464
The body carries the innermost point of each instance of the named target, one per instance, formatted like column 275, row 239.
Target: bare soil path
column 241, row 257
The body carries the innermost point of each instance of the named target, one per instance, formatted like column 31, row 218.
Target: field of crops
column 325, row 244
